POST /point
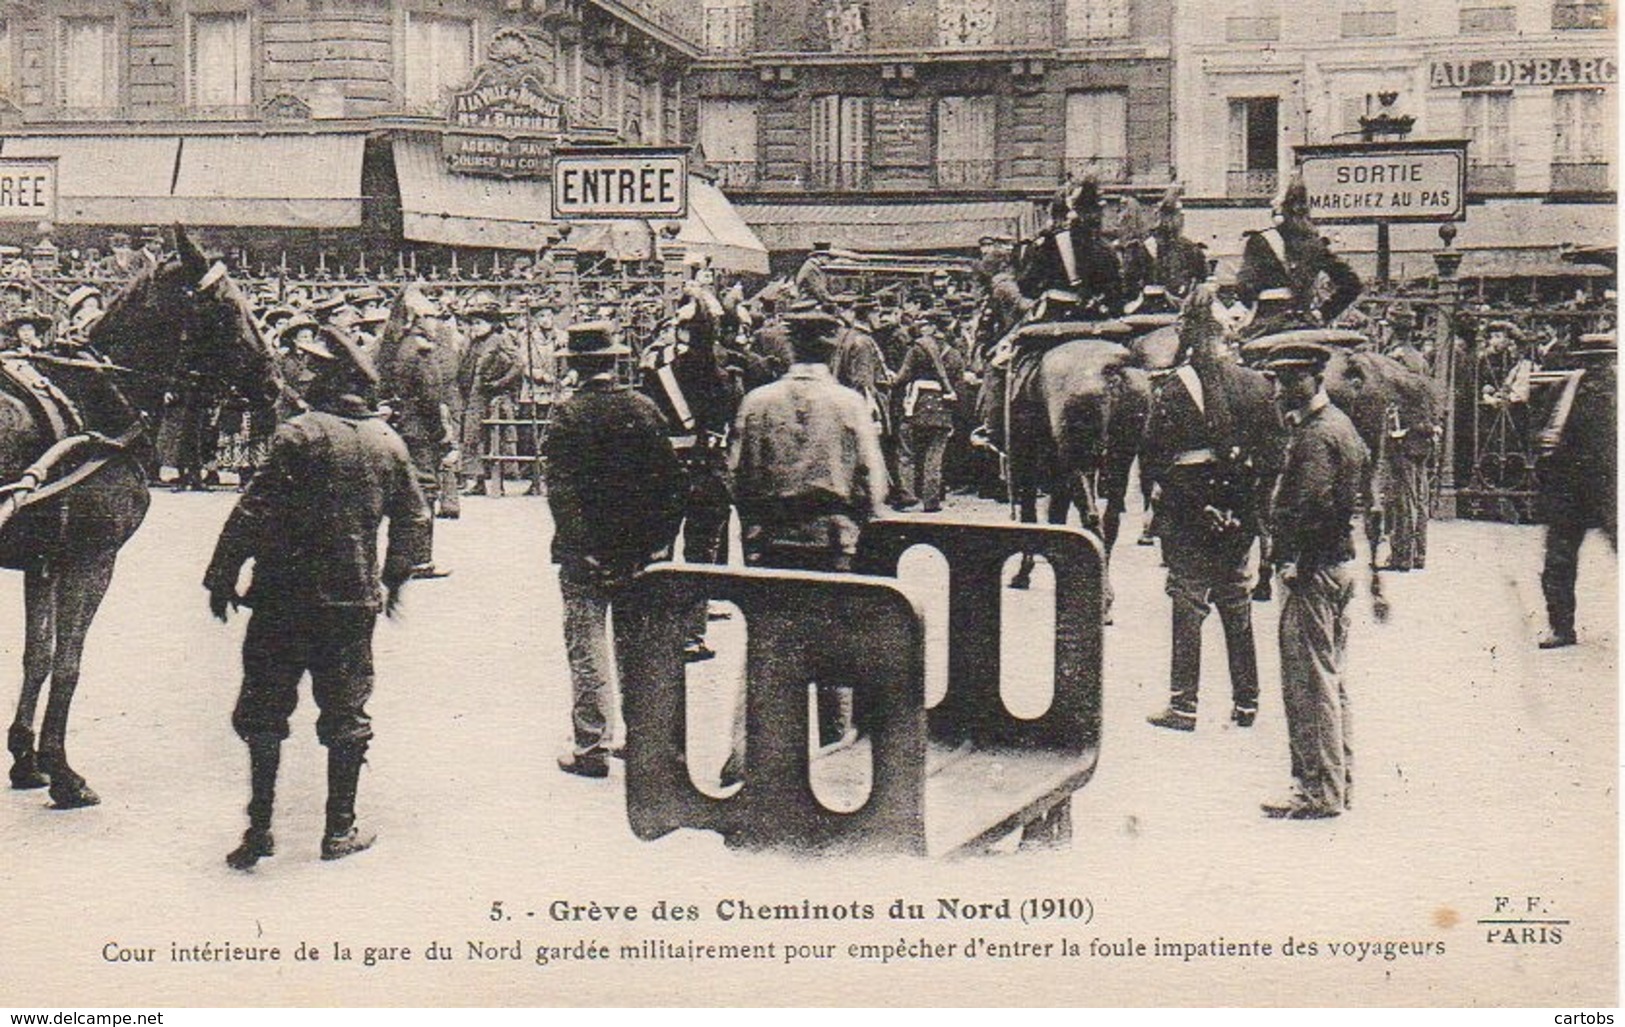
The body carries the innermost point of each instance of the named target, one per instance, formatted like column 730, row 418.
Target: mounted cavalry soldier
column 309, row 521
column 1213, row 445
column 1289, row 275
column 1070, row 274
column 1178, row 265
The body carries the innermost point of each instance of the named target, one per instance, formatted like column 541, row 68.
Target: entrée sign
column 620, row 182
column 28, row 190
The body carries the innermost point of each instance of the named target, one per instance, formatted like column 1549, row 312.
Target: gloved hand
column 222, row 602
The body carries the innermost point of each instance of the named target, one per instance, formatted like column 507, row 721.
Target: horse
column 1382, row 397
column 1075, row 413
column 73, row 508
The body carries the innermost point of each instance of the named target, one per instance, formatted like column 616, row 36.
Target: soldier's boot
column 1242, row 652
column 1185, row 670
column 342, row 838
column 264, row 757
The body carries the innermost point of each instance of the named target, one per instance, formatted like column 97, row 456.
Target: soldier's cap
column 28, row 315
column 1600, row 345
column 335, row 350
column 119, row 239
column 595, row 339
column 152, row 233
column 820, row 247
column 1295, row 356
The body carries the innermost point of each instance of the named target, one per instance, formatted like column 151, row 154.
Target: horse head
column 187, row 319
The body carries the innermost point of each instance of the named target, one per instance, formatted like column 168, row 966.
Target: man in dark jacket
column 410, row 372
column 1579, row 477
column 1071, row 256
column 309, row 521
column 930, row 379
column 1315, row 501
column 1213, row 446
column 1289, row 275
column 616, row 492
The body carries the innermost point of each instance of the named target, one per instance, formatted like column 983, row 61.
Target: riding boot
column 1243, row 657
column 342, row 838
column 25, row 771
column 1185, row 669
column 264, row 757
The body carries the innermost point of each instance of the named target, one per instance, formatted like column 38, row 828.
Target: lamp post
column 1448, row 263
column 1384, row 126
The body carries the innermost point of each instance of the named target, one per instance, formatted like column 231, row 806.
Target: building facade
column 921, row 124
column 366, row 122
column 1531, row 84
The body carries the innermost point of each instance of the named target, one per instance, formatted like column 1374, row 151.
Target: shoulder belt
column 42, row 397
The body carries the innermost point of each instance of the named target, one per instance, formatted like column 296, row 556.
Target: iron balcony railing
column 1247, row 184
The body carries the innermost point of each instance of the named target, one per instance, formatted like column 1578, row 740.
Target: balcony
column 1579, row 15
column 967, row 174
column 1491, row 178
column 1570, row 177
column 1102, row 169
column 1251, row 184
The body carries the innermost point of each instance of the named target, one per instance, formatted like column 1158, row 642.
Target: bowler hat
column 335, row 350
column 595, row 339
column 295, row 323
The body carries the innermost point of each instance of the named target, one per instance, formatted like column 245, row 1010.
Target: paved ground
column 1485, row 769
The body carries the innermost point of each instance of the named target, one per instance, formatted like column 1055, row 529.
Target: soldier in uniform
column 1177, row 263
column 1318, row 495
column 1071, row 256
column 858, row 364
column 410, row 376
column 1213, row 445
column 929, row 378
column 811, row 280
column 310, row 522
column 616, row 493
column 1289, row 275
column 1577, row 478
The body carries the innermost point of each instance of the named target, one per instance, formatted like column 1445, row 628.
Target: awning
column 438, row 206
column 884, row 226
column 466, row 210
column 106, row 180
column 295, row 181
column 714, row 229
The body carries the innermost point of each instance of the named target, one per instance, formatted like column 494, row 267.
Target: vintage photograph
column 528, row 503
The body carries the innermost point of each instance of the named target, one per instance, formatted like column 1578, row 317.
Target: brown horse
column 1075, row 414
column 183, row 320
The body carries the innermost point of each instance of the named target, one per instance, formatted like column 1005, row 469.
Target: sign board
column 496, row 155
column 1505, row 72
column 512, row 107
column 620, row 182
column 1370, row 183
column 28, row 190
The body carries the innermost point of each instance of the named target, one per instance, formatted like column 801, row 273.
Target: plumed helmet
column 1294, row 199
column 1086, row 197
column 1171, row 211
column 1131, row 220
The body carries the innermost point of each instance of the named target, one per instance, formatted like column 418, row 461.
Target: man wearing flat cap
column 807, row 474
column 1315, row 501
column 616, row 492
column 309, row 520
column 1578, row 476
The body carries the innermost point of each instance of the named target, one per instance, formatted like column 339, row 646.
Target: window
column 1096, row 19
column 1579, row 14
column 840, row 142
column 728, row 139
column 439, row 58
column 1479, row 20
column 1255, row 134
column 729, row 26
column 1486, row 122
column 1363, row 19
column 966, row 22
column 848, row 25
column 966, row 142
column 1580, row 142
column 220, row 53
column 1097, row 134
column 8, row 83
column 88, row 64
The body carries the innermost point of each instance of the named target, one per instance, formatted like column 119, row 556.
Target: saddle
column 51, row 407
